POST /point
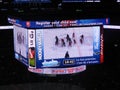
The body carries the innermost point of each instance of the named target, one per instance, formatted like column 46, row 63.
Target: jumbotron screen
column 59, row 47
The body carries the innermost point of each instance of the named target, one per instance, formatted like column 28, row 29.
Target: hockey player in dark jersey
column 81, row 39
column 82, row 36
column 62, row 42
column 67, row 37
column 73, row 37
column 56, row 40
column 70, row 42
column 67, row 55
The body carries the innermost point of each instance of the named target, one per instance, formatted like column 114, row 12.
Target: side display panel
column 31, row 48
column 32, row 1
column 65, row 47
column 21, row 44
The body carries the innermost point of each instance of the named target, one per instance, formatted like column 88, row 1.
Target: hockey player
column 67, row 37
column 19, row 37
column 74, row 41
column 70, row 42
column 56, row 40
column 73, row 36
column 62, row 42
column 67, row 55
column 81, row 39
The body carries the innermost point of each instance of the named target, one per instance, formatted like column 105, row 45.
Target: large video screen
column 68, row 46
column 59, row 47
column 20, row 44
column 74, row 42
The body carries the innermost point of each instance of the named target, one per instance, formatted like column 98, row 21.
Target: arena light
column 111, row 26
column 6, row 27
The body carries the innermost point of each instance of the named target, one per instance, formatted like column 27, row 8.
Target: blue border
column 62, row 23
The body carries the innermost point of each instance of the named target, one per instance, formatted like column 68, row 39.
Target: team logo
column 50, row 63
column 28, row 23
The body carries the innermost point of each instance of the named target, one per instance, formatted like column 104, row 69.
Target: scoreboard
column 58, row 46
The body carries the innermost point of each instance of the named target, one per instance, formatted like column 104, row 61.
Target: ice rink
column 78, row 49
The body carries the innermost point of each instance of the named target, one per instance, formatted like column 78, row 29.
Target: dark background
column 15, row 76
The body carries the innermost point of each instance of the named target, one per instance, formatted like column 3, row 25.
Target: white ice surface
column 78, row 50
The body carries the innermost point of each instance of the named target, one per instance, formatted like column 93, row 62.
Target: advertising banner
column 31, row 48
column 58, row 23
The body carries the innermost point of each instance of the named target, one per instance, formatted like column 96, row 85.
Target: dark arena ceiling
column 52, row 9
